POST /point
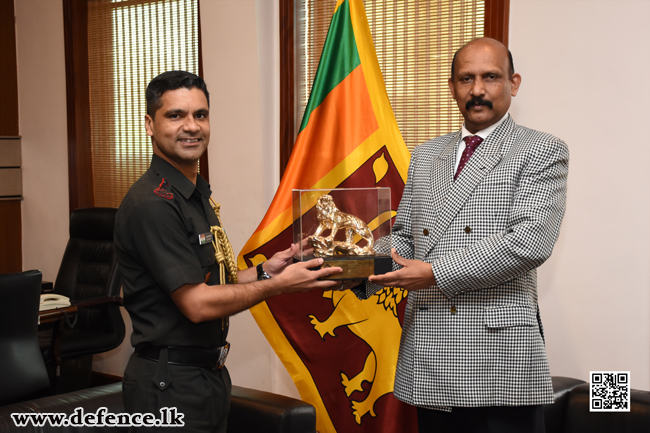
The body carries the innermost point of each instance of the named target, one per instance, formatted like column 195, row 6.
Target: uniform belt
column 195, row 357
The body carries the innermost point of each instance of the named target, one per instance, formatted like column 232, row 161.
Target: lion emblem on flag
column 376, row 323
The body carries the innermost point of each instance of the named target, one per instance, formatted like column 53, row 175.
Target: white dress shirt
column 483, row 133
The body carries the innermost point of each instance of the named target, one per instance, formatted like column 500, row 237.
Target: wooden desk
column 48, row 316
column 57, row 316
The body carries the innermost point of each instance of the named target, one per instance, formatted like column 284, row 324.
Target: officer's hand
column 348, row 284
column 280, row 260
column 307, row 250
column 414, row 275
column 298, row 278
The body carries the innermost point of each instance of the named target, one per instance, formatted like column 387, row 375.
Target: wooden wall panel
column 11, row 251
column 80, row 177
column 497, row 22
column 8, row 75
column 287, row 107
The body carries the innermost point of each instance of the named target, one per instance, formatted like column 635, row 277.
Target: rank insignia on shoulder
column 162, row 191
column 205, row 238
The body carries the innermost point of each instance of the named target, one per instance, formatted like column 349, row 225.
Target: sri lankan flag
column 340, row 352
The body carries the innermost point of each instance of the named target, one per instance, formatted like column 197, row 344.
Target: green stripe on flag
column 338, row 59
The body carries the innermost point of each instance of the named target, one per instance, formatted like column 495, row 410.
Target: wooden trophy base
column 356, row 267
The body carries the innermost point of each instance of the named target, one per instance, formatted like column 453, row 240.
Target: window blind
column 415, row 41
column 129, row 43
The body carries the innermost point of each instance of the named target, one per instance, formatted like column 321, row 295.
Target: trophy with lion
column 330, row 218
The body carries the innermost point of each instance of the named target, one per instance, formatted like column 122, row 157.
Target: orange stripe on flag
column 343, row 121
column 341, row 352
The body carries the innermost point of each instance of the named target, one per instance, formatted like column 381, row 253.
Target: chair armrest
column 98, row 301
column 91, row 400
column 579, row 418
column 259, row 411
column 47, row 287
column 555, row 414
column 251, row 411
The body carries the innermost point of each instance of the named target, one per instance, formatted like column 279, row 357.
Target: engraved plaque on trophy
column 342, row 226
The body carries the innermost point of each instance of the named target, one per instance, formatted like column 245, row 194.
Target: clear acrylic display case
column 351, row 246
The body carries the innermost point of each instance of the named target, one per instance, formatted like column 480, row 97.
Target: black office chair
column 90, row 277
column 22, row 370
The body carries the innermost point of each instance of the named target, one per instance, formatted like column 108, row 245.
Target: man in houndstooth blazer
column 467, row 250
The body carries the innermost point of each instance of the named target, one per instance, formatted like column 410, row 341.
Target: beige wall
column 42, row 111
column 241, row 67
column 42, row 105
column 572, row 56
column 243, row 81
column 582, row 69
column 582, row 63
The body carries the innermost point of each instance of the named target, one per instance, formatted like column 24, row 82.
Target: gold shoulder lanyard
column 223, row 250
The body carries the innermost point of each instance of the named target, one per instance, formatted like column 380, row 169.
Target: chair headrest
column 93, row 223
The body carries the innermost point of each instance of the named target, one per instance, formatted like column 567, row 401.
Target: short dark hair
column 172, row 80
column 511, row 70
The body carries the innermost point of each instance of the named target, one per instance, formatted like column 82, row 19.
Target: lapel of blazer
column 441, row 175
column 458, row 192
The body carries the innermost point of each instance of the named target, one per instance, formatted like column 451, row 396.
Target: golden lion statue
column 330, row 218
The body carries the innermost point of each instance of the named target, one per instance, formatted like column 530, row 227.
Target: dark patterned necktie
column 471, row 143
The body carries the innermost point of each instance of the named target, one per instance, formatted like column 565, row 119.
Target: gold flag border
column 388, row 127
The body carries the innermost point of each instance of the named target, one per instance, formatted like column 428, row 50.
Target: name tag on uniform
column 205, row 238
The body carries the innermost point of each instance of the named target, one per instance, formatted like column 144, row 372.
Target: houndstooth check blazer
column 476, row 338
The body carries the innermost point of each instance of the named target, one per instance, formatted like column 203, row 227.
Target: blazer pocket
column 507, row 316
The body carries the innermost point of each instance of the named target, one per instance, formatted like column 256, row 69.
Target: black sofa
column 255, row 411
column 570, row 412
column 251, row 411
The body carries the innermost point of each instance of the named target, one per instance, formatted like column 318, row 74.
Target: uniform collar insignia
column 162, row 191
column 182, row 184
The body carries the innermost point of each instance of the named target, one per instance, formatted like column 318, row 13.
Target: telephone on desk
column 50, row 301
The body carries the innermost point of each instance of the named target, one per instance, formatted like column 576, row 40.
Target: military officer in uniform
column 180, row 281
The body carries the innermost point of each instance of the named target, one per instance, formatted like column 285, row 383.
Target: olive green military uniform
column 162, row 234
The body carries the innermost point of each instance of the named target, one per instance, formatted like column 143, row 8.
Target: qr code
column 609, row 391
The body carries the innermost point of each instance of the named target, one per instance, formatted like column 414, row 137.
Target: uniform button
column 453, row 309
column 425, row 232
column 468, row 229
column 162, row 384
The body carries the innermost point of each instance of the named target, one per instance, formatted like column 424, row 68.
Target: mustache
column 478, row 101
